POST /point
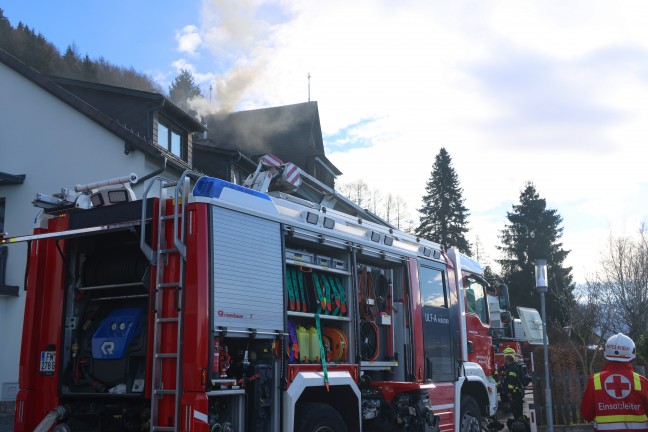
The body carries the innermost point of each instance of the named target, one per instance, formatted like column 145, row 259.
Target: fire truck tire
column 318, row 417
column 470, row 415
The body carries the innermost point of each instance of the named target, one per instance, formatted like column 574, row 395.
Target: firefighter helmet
column 509, row 351
column 620, row 348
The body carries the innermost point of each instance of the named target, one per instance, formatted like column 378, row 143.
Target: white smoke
column 238, row 37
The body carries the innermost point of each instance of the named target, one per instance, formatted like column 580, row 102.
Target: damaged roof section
column 292, row 132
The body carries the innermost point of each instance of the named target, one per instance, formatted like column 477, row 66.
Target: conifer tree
column 534, row 232
column 71, row 61
column 444, row 216
column 6, row 33
column 88, row 69
column 182, row 89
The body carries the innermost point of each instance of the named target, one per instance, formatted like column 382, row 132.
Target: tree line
column 35, row 50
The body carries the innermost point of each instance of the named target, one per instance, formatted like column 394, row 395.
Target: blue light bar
column 213, row 188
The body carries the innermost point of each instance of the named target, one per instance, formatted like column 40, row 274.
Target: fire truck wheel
column 470, row 415
column 318, row 417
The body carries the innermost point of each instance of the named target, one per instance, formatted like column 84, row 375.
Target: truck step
column 169, row 250
column 166, row 355
column 168, row 285
column 164, row 392
column 167, row 320
column 162, row 428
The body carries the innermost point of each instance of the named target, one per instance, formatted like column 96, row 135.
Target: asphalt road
column 6, row 422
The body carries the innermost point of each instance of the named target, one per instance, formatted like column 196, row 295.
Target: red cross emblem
column 617, row 386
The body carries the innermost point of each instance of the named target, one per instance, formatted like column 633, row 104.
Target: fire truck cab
column 216, row 307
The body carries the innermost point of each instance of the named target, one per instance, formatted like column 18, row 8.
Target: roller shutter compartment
column 248, row 272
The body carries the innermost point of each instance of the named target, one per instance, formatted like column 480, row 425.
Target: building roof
column 124, row 103
column 131, row 138
column 291, row 132
column 7, row 179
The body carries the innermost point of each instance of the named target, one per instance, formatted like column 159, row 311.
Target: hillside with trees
column 35, row 50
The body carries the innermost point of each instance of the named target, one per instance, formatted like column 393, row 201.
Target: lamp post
column 542, row 287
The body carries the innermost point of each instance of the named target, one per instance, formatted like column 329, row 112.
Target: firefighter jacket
column 511, row 380
column 616, row 399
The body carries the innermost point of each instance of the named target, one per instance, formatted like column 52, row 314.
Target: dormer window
column 2, row 215
column 171, row 139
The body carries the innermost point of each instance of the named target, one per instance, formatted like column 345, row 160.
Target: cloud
column 546, row 102
column 189, row 40
column 356, row 135
column 181, row 64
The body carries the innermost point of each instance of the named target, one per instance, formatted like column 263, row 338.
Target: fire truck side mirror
column 504, row 297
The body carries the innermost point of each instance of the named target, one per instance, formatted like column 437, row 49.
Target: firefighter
column 616, row 399
column 512, row 386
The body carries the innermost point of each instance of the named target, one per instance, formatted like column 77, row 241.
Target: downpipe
column 58, row 413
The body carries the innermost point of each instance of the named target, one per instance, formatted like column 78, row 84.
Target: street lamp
column 542, row 287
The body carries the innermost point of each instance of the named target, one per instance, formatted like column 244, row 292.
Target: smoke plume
column 237, row 35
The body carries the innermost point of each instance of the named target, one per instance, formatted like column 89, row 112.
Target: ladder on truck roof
column 159, row 257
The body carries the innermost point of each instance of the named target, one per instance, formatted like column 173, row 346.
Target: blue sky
column 552, row 92
column 140, row 34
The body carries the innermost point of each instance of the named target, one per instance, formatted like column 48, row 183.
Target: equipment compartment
column 244, row 380
column 245, row 300
column 106, row 319
column 318, row 304
column 312, row 291
column 382, row 317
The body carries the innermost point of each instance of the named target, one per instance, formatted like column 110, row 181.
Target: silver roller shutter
column 248, row 272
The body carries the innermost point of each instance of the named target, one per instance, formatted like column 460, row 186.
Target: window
column 437, row 325
column 2, row 215
column 4, row 253
column 476, row 299
column 163, row 136
column 176, row 144
column 237, row 175
column 432, row 292
column 171, row 139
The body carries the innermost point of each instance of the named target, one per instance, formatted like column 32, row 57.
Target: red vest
column 616, row 399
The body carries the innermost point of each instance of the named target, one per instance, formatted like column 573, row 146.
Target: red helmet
column 620, row 348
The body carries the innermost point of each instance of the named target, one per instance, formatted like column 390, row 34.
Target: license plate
column 47, row 362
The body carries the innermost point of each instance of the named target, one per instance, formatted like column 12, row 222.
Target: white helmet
column 620, row 348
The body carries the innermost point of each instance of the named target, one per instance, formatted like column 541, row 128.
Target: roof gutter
column 154, row 173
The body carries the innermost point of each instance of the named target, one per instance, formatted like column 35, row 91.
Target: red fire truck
column 217, row 307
